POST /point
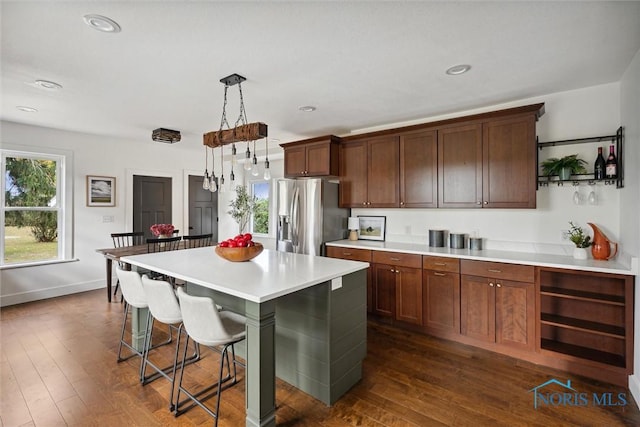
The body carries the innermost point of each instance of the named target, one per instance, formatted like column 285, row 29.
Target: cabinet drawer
column 441, row 263
column 497, row 270
column 396, row 258
column 349, row 253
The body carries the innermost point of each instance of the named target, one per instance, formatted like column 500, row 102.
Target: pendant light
column 213, row 183
column 267, row 172
column 247, row 158
column 254, row 167
column 221, row 187
column 205, row 180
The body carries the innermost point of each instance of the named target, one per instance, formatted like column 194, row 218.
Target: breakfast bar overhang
column 322, row 302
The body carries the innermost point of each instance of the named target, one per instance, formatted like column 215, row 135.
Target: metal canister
column 436, row 238
column 475, row 243
column 457, row 240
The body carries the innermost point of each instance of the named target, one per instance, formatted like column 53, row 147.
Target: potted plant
column 580, row 239
column 242, row 207
column 564, row 167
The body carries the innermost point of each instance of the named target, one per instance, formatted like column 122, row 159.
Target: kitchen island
column 306, row 317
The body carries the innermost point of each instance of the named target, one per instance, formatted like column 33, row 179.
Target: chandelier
column 242, row 131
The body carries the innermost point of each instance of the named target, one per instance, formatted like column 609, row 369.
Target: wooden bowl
column 240, row 254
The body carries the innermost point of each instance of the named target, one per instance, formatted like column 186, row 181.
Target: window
column 260, row 219
column 33, row 205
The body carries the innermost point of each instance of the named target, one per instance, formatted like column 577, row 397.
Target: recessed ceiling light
column 101, row 23
column 458, row 69
column 27, row 109
column 307, row 108
column 46, row 84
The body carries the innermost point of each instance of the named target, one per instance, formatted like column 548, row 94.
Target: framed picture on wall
column 372, row 227
column 101, row 190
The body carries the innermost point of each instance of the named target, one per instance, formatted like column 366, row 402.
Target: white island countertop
column 268, row 276
column 616, row 266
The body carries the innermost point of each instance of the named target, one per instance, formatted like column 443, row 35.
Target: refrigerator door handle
column 295, row 207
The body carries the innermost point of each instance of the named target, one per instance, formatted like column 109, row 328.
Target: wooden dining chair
column 125, row 239
column 197, row 240
column 164, row 244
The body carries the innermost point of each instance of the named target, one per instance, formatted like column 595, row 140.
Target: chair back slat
column 198, row 240
column 163, row 244
column 127, row 239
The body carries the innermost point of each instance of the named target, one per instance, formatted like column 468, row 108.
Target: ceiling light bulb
column 101, row 23
column 458, row 69
column 26, row 109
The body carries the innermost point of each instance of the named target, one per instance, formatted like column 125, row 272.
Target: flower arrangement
column 577, row 236
column 162, row 229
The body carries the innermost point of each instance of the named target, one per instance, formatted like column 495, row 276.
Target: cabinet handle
column 392, row 270
column 364, row 203
column 478, row 202
column 401, row 203
column 440, row 263
column 394, row 259
column 346, row 253
column 491, row 284
column 486, row 203
column 499, row 285
column 493, row 270
column 435, row 273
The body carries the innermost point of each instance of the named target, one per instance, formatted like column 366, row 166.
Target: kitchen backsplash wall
column 574, row 114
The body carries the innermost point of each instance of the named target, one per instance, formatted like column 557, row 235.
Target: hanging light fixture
column 242, row 131
column 267, row 172
column 254, row 167
column 205, row 180
column 213, row 183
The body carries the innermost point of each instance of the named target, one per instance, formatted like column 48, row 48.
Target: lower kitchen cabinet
column 356, row 255
column 441, row 294
column 494, row 308
column 397, row 286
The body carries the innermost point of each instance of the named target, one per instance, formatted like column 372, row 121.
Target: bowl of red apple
column 239, row 249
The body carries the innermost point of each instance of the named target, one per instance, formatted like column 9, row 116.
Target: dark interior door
column 203, row 209
column 151, row 202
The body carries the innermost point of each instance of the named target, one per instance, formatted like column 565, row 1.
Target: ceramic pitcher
column 601, row 247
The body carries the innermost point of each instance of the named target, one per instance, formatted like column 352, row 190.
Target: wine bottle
column 611, row 168
column 599, row 167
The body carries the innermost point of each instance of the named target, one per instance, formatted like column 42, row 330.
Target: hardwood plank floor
column 58, row 367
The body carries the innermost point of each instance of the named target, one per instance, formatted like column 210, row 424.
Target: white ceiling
column 362, row 64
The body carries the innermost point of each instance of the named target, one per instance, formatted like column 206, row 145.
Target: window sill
column 37, row 263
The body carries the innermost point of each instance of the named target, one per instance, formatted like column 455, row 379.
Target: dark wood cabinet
column 369, row 173
column 398, row 286
column 356, row 255
column 441, row 295
column 495, row 308
column 312, row 157
column 419, row 170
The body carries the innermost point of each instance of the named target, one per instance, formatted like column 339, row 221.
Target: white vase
column 580, row 253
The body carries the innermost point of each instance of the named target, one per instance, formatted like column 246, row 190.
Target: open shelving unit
column 617, row 139
column 587, row 316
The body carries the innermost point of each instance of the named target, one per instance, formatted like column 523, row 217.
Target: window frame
column 271, row 208
column 63, row 206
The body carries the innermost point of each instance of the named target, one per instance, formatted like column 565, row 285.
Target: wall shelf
column 617, row 139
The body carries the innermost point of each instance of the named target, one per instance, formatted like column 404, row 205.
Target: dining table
column 317, row 341
column 115, row 254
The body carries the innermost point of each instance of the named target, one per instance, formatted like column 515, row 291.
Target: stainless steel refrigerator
column 309, row 216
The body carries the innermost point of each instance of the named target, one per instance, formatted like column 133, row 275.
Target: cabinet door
column 318, row 159
column 384, row 290
column 441, row 300
column 509, row 155
column 460, row 166
column 383, row 178
column 477, row 308
column 419, row 170
column 409, row 295
column 294, row 161
column 515, row 314
column 353, row 175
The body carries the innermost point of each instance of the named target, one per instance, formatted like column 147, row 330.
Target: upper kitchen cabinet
column 369, row 173
column 312, row 157
column 489, row 163
column 419, row 169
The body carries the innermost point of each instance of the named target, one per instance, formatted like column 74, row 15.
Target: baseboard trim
column 634, row 388
column 39, row 294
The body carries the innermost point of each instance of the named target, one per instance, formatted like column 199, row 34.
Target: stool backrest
column 202, row 320
column 198, row 240
column 162, row 300
column 164, row 244
column 131, row 286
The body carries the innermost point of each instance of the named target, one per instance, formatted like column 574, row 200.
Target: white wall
column 587, row 112
column 630, row 195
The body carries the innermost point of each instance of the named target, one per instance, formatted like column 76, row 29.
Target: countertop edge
column 511, row 257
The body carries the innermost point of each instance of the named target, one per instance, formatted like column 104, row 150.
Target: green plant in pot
column 242, row 207
column 580, row 239
column 564, row 167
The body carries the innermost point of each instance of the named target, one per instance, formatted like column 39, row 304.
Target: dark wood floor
column 58, row 368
